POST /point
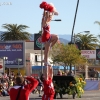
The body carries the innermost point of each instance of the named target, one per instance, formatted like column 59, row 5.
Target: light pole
column 42, row 47
column 78, row 47
column 19, row 60
column 4, row 58
column 74, row 20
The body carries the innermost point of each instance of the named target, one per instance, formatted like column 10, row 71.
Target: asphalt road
column 88, row 95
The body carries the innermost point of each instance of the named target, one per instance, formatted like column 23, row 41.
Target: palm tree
column 97, row 22
column 86, row 41
column 15, row 32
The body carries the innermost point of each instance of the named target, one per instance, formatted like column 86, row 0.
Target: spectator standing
column 70, row 73
column 11, row 83
column 5, row 88
column 59, row 73
column 40, row 86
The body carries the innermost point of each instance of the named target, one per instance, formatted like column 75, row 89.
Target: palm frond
column 15, row 32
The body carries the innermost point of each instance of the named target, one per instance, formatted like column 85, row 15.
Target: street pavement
column 88, row 95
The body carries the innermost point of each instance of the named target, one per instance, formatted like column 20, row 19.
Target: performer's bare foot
column 46, row 64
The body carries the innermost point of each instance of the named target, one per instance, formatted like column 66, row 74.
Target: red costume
column 46, row 29
column 46, row 33
column 25, row 91
column 48, row 90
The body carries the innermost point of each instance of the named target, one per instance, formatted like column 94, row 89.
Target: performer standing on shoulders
column 47, row 38
column 48, row 89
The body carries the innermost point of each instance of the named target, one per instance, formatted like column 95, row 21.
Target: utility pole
column 73, row 28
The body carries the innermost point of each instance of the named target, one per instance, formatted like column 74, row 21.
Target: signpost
column 97, row 54
column 12, row 50
column 89, row 54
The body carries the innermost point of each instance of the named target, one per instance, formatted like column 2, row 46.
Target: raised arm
column 50, row 71
column 43, row 22
column 46, row 18
column 32, row 83
column 46, row 72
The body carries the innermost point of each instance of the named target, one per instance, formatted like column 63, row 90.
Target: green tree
column 15, row 32
column 86, row 41
column 97, row 22
column 67, row 55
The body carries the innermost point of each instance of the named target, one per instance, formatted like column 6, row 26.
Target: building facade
column 20, row 55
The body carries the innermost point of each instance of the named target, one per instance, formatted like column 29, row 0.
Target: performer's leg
column 48, row 45
column 46, row 52
column 54, row 39
column 46, row 72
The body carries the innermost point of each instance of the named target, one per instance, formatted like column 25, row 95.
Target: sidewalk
column 88, row 95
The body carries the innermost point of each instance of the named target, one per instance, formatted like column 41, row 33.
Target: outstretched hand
column 55, row 13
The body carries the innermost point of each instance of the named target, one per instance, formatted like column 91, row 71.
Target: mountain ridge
column 63, row 38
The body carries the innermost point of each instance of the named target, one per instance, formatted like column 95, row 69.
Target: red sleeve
column 33, row 83
column 8, row 90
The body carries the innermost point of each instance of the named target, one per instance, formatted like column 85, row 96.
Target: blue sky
column 27, row 12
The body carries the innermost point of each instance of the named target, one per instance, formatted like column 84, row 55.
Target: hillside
column 63, row 38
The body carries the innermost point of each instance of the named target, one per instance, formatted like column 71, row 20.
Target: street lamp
column 42, row 47
column 4, row 58
column 19, row 60
column 56, row 20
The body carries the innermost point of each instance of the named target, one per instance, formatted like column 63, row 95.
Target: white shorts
column 39, row 87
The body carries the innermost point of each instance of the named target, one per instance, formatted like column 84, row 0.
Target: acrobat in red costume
column 48, row 89
column 48, row 39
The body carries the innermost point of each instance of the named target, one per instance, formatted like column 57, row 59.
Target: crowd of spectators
column 67, row 73
column 7, row 81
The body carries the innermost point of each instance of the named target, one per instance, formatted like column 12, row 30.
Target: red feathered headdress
column 46, row 6
column 43, row 5
column 50, row 8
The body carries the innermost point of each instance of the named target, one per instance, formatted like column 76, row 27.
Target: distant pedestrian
column 70, row 73
column 40, row 86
